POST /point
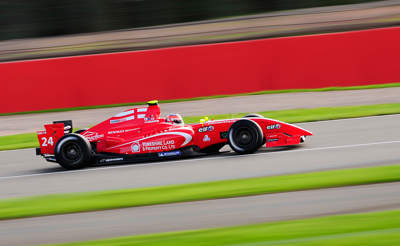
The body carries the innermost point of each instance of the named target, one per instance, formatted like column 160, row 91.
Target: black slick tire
column 73, row 151
column 252, row 115
column 245, row 136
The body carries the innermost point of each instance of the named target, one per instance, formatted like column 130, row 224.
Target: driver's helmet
column 174, row 119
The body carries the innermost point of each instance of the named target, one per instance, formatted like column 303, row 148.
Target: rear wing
column 52, row 133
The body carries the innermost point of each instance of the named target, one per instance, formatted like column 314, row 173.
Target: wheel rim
column 243, row 137
column 72, row 152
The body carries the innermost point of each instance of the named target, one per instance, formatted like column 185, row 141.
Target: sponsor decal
column 171, row 153
column 116, row 132
column 135, row 147
column 206, row 129
column 206, row 138
column 121, row 131
column 125, row 113
column 142, row 109
column 272, row 140
column 122, row 120
column 92, row 136
column 274, row 126
column 160, row 145
column 111, row 160
column 223, row 135
column 223, row 121
column 187, row 137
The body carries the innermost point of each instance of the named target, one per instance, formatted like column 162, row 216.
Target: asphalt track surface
column 200, row 214
column 336, row 144
column 255, row 103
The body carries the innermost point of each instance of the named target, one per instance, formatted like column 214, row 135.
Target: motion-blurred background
column 42, row 18
column 130, row 21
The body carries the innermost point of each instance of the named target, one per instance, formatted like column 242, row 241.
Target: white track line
column 199, row 159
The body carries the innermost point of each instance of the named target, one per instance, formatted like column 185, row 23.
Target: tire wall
column 339, row 59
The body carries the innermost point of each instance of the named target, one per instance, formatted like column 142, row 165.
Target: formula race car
column 140, row 134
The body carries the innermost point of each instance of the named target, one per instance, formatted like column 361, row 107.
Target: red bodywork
column 141, row 131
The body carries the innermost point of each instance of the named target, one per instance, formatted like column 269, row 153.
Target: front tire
column 245, row 136
column 253, row 115
column 73, row 151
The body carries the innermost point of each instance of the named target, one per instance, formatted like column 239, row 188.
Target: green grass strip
column 315, row 114
column 29, row 140
column 361, row 87
column 367, row 229
column 19, row 141
column 91, row 201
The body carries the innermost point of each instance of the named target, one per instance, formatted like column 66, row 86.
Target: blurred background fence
column 41, row 18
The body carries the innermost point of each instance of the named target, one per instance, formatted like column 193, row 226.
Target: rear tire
column 245, row 136
column 73, row 151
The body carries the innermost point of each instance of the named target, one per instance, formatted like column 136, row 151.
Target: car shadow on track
column 225, row 152
column 54, row 169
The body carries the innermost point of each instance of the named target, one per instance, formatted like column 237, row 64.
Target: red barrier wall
column 341, row 59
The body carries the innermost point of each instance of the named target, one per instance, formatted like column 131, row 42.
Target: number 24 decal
column 47, row 142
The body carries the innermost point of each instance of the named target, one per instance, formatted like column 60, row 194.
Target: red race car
column 140, row 134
